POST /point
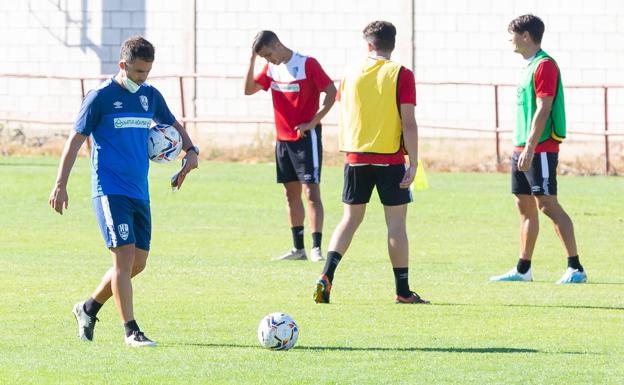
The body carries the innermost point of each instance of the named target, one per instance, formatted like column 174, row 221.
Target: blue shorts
column 124, row 220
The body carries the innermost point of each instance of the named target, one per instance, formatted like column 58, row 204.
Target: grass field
column 209, row 281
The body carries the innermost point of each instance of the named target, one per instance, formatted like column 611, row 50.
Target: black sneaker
column 137, row 340
column 413, row 298
column 86, row 323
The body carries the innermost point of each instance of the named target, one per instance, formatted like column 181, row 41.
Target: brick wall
column 456, row 40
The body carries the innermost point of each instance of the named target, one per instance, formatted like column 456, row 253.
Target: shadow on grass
column 497, row 350
column 533, row 305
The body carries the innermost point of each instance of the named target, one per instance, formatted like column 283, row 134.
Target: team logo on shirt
column 118, row 104
column 124, row 231
column 132, row 122
column 143, row 100
column 285, row 87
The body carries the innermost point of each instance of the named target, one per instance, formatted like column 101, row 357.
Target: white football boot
column 316, row 255
column 292, row 255
column 138, row 340
column 513, row 275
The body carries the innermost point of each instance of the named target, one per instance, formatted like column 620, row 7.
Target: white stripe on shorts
column 545, row 174
column 108, row 217
column 315, row 155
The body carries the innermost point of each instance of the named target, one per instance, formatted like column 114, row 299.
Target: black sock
column 131, row 326
column 401, row 280
column 316, row 239
column 91, row 307
column 333, row 259
column 574, row 263
column 297, row 234
column 523, row 265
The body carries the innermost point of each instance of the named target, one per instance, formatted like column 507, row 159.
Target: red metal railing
column 497, row 130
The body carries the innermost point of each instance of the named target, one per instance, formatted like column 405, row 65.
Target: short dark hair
column 529, row 23
column 381, row 35
column 136, row 47
column 263, row 39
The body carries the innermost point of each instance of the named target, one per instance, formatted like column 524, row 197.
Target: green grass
column 209, row 281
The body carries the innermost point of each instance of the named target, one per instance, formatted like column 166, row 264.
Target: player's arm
column 59, row 198
column 251, row 87
column 191, row 159
column 544, row 107
column 328, row 102
column 545, row 80
column 410, row 141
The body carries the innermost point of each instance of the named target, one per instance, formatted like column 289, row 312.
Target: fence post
column 606, row 128
column 496, row 125
column 181, row 80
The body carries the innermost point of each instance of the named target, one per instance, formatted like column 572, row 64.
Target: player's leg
column 529, row 224
column 103, row 292
column 309, row 172
column 395, row 201
column 287, row 175
column 114, row 216
column 547, row 202
column 312, row 192
column 352, row 217
column 358, row 186
column 121, row 284
column 564, row 227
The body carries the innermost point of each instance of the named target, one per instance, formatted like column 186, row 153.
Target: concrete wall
column 462, row 41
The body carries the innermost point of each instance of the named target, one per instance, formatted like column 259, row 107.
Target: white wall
column 461, row 41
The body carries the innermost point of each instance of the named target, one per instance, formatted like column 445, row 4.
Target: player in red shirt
column 296, row 82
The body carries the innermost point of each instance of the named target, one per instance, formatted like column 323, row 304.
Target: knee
column 292, row 197
column 396, row 229
column 548, row 208
column 352, row 222
column 312, row 195
column 138, row 267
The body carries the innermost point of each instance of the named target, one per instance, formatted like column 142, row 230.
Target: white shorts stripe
column 545, row 174
column 108, row 217
column 315, row 155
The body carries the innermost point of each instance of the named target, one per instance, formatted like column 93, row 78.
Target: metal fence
column 494, row 128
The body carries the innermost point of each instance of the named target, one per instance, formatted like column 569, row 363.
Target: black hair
column 136, row 47
column 263, row 39
column 381, row 35
column 529, row 23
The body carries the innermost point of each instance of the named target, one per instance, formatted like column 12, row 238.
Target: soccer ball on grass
column 278, row 331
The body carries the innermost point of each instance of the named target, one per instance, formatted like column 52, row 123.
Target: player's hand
column 303, row 128
column 410, row 174
column 59, row 199
column 524, row 160
column 190, row 162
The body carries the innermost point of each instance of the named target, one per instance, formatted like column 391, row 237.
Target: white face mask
column 131, row 86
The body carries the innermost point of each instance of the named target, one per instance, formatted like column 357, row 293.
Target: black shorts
column 359, row 182
column 540, row 179
column 300, row 160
